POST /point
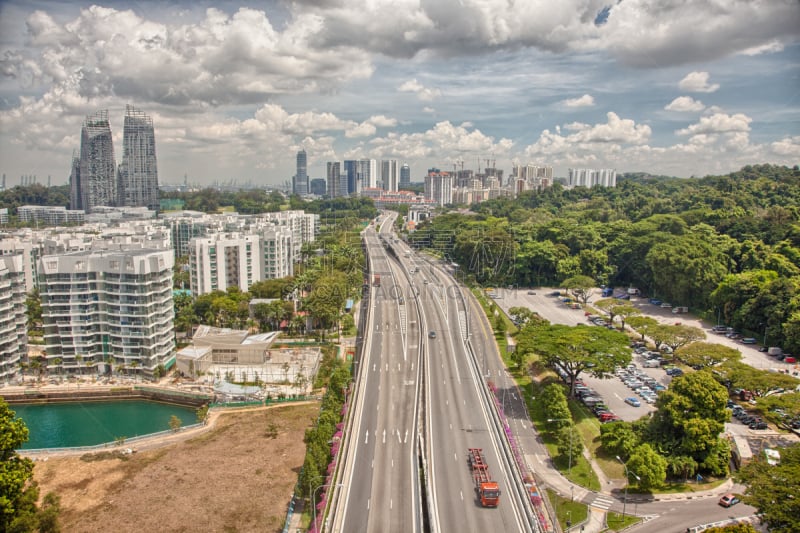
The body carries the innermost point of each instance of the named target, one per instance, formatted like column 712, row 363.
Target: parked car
column 790, row 359
column 759, row 425
column 630, row 400
column 532, row 293
column 748, row 340
column 729, row 500
column 666, row 305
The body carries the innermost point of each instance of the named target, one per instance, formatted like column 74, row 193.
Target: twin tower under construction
column 96, row 180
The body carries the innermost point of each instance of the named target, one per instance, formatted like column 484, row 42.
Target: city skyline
column 688, row 88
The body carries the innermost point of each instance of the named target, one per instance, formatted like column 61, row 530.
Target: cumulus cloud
column 641, row 33
column 588, row 139
column 788, row 146
column 697, row 82
column 587, row 100
column 219, row 59
column 718, row 123
column 655, row 34
column 685, row 103
column 444, row 141
column 423, row 93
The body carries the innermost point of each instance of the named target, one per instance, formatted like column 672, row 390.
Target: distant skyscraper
column 138, row 172
column 334, row 179
column 301, row 176
column 317, row 186
column 95, row 181
column 352, row 177
column 405, row 176
column 368, row 172
column 389, row 174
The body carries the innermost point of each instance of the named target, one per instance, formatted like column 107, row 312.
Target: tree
column 619, row 438
column 18, row 493
column 33, row 308
column 580, row 287
column 732, row 528
column 570, row 444
column 522, row 316
column 674, row 336
column 648, row 465
column 555, row 406
column 773, row 489
column 642, row 324
column 690, row 417
column 574, row 350
column 175, row 423
column 707, row 354
column 615, row 307
column 680, row 335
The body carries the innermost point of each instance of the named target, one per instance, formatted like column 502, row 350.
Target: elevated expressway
column 421, row 402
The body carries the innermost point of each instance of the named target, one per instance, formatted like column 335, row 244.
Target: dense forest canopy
column 725, row 245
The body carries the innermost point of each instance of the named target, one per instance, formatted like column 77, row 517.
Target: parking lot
column 613, row 391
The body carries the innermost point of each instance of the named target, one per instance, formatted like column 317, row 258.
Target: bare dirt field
column 233, row 477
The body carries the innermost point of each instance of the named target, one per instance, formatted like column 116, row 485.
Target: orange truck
column 376, row 281
column 488, row 490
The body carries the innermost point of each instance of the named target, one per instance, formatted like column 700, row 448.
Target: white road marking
column 384, row 436
column 405, row 438
column 366, row 436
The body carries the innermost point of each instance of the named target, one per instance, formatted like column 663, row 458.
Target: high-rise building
column 335, row 182
column 102, row 307
column 587, row 177
column 439, row 187
column 223, row 260
column 95, row 180
column 352, row 178
column 368, row 173
column 301, row 175
column 389, row 175
column 318, row 187
column 13, row 319
column 138, row 172
column 405, row 176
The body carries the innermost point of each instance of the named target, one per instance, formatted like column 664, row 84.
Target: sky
column 673, row 87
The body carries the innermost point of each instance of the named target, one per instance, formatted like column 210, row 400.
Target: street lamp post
column 571, row 433
column 314, row 502
column 627, row 482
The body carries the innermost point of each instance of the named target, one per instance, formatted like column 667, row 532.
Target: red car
column 790, row 359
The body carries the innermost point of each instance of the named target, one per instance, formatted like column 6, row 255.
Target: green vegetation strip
column 616, row 522
column 567, row 510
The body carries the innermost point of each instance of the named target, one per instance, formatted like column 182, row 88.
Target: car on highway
column 729, row 500
column 432, row 334
column 630, row 400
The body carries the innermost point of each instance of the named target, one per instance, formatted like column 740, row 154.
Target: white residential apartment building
column 530, row 177
column 102, row 308
column 13, row 331
column 439, row 187
column 50, row 215
column 587, row 177
column 224, row 260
